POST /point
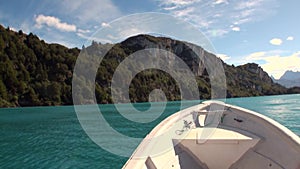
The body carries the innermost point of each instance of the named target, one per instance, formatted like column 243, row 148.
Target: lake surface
column 52, row 137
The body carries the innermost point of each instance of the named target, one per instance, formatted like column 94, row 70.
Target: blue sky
column 261, row 31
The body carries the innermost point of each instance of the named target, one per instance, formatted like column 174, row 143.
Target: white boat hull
column 215, row 135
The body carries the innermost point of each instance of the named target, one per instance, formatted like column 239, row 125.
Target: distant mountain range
column 289, row 79
column 35, row 73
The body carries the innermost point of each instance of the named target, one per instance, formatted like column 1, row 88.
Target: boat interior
column 214, row 135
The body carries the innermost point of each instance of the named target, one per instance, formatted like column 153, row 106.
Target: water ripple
column 51, row 137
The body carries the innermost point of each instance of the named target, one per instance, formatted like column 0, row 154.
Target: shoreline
column 111, row 104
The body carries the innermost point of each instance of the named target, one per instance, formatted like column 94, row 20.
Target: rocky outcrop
column 184, row 50
column 256, row 69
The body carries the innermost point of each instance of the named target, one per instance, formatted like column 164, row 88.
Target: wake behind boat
column 214, row 135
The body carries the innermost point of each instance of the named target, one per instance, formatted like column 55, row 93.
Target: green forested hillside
column 34, row 73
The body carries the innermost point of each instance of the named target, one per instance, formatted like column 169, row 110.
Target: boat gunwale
column 280, row 129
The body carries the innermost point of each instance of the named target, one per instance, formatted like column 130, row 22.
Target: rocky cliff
column 245, row 80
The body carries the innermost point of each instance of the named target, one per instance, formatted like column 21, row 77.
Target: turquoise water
column 51, row 137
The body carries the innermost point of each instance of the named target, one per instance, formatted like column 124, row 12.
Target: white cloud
column 54, row 22
column 236, row 28
column 223, row 56
column 248, row 4
column 87, row 12
column 83, row 31
column 290, row 38
column 217, row 32
column 178, row 3
column 276, row 62
column 276, row 41
column 105, row 25
column 184, row 12
column 277, row 65
column 215, row 16
column 81, row 17
column 246, row 13
column 256, row 56
column 221, row 2
column 263, row 54
column 170, row 8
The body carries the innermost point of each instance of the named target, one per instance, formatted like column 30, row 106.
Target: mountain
column 290, row 75
column 289, row 79
column 34, row 73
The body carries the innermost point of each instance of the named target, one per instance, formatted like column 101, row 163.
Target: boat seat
column 218, row 147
